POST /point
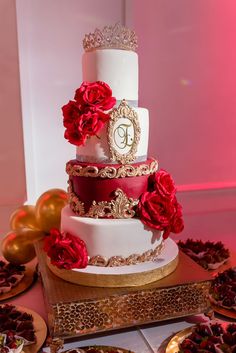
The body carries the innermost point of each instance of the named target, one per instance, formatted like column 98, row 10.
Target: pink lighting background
column 187, row 57
column 188, row 81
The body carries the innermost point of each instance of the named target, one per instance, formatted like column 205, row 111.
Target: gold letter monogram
column 122, row 136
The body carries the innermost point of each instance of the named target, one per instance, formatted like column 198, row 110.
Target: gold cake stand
column 76, row 310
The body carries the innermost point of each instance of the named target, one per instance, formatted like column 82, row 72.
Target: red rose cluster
column 158, row 208
column 65, row 250
column 85, row 116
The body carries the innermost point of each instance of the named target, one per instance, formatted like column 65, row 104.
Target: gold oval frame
column 123, row 111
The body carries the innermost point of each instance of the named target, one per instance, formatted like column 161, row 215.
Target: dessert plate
column 209, row 255
column 231, row 314
column 25, row 283
column 173, row 345
column 98, row 349
column 40, row 329
column 223, row 293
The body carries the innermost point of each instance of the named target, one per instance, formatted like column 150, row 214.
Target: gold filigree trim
column 124, row 111
column 75, row 204
column 111, row 37
column 120, row 207
column 130, row 260
column 124, row 309
column 111, row 172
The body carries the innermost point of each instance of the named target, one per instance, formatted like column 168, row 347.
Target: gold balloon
column 18, row 245
column 48, row 209
column 23, row 217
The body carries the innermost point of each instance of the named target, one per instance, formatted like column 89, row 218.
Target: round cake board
column 123, row 276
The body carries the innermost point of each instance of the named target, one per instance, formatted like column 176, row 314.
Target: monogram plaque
column 123, row 133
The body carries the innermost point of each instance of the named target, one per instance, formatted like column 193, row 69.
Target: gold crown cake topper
column 111, row 37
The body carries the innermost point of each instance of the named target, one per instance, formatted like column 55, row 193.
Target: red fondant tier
column 97, row 185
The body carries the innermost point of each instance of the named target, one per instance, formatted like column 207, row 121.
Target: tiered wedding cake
column 120, row 205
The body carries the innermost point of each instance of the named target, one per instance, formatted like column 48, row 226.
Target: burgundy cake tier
column 105, row 190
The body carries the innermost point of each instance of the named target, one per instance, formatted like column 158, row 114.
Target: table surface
column 214, row 226
column 144, row 339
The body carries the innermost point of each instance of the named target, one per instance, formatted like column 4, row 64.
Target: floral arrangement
column 65, row 250
column 84, row 116
column 158, row 207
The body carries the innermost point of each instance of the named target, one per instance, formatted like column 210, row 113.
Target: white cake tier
column 118, row 68
column 111, row 237
column 96, row 149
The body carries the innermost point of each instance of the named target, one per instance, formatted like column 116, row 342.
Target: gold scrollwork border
column 120, row 207
column 124, row 110
column 111, row 172
column 125, row 261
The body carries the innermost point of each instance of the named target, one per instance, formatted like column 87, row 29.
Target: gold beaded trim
column 120, row 207
column 130, row 260
column 111, row 172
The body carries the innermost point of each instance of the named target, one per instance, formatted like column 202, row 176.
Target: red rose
column 79, row 125
column 155, row 211
column 160, row 213
column 75, row 137
column 65, row 250
column 71, row 113
column 95, row 94
column 163, row 183
column 85, row 117
column 91, row 122
column 177, row 223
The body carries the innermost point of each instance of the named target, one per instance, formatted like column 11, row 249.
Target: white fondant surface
column 169, row 253
column 96, row 149
column 111, row 237
column 118, row 68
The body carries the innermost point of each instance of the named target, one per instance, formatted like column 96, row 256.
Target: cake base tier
column 123, row 276
column 74, row 310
